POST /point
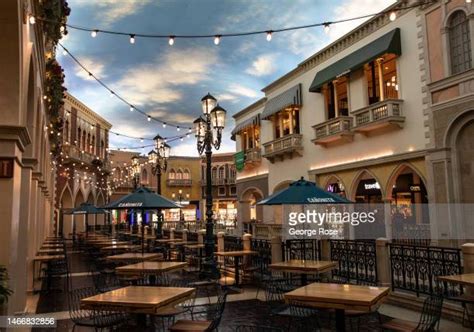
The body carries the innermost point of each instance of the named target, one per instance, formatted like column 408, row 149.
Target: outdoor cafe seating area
column 162, row 288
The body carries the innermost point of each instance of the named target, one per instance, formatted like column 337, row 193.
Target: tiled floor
column 242, row 309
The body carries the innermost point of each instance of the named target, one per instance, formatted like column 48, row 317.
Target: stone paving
column 242, row 309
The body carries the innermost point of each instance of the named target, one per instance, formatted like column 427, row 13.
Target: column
column 383, row 262
column 379, row 62
column 335, row 100
column 276, row 249
column 468, row 258
column 388, row 217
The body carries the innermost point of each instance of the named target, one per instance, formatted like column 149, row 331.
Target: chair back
column 431, row 313
column 77, row 314
column 215, row 311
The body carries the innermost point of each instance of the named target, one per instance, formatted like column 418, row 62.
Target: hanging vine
column 54, row 13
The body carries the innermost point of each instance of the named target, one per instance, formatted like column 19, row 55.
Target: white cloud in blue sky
column 168, row 82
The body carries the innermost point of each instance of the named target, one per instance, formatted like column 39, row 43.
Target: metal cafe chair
column 213, row 318
column 429, row 319
column 305, row 318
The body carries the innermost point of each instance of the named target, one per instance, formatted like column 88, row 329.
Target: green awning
column 387, row 44
column 253, row 121
column 291, row 97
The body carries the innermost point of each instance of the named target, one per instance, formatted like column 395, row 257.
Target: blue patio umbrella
column 303, row 192
column 142, row 199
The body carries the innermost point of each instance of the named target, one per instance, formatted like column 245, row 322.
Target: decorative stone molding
column 15, row 133
column 29, row 162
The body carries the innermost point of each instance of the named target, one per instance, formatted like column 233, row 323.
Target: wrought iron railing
column 301, row 249
column 192, row 237
column 418, row 235
column 416, row 268
column 233, row 243
column 264, row 257
column 357, row 261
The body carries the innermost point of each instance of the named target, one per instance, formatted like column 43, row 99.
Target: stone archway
column 282, row 185
column 249, row 210
column 335, row 185
column 465, row 162
column 79, row 221
column 66, row 206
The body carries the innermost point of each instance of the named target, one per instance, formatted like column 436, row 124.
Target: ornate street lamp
column 158, row 159
column 135, row 171
column 208, row 128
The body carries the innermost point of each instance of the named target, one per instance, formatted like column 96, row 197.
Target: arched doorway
column 79, row 221
column 367, row 193
column 249, row 210
column 282, row 185
column 67, row 219
column 336, row 186
column 409, row 211
column 465, row 162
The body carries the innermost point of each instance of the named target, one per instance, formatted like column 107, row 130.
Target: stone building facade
column 82, row 175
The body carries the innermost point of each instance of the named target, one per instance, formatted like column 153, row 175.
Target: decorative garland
column 54, row 96
column 56, row 13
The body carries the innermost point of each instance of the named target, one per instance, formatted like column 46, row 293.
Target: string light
column 149, row 118
column 32, row 19
column 269, row 35
column 94, row 33
column 131, row 108
column 132, row 39
column 164, row 124
column 171, row 41
column 217, row 39
column 177, row 128
column 393, row 16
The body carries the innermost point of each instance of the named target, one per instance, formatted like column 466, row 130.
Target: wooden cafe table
column 339, row 297
column 237, row 255
column 120, row 247
column 150, row 267
column 52, row 246
column 304, row 267
column 466, row 279
column 134, row 256
column 50, row 251
column 140, row 300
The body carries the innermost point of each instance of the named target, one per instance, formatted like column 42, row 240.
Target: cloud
column 110, row 11
column 227, row 97
column 354, row 8
column 264, row 65
column 93, row 65
column 172, row 116
column 303, row 42
column 160, row 80
column 243, row 91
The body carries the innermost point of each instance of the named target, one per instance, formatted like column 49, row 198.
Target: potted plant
column 5, row 292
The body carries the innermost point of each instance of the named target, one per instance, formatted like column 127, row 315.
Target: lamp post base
column 209, row 269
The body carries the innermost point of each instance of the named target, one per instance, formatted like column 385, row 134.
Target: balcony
column 179, row 182
column 76, row 155
column 386, row 114
column 219, row 181
column 284, row 147
column 334, row 130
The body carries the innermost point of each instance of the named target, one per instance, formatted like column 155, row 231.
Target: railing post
column 276, row 249
column 247, row 242
column 468, row 258
column 220, row 241
column 201, row 234
column 383, row 262
column 325, row 249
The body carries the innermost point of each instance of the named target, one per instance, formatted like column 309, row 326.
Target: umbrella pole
column 87, row 224
column 143, row 232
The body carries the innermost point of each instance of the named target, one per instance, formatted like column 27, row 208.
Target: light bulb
column 64, row 52
column 217, row 40
column 32, row 19
column 326, row 28
column 164, row 124
column 177, row 128
column 269, row 35
column 149, row 118
column 393, row 16
column 468, row 1
column 132, row 39
column 62, row 28
column 131, row 108
column 141, row 140
column 94, row 33
column 111, row 93
column 171, row 41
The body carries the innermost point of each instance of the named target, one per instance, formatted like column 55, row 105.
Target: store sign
column 6, row 168
column 415, row 188
column 371, row 186
column 239, row 159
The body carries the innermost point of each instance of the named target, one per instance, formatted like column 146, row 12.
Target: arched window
column 222, row 172
column 66, row 131
column 144, row 176
column 171, row 174
column 186, row 174
column 459, row 42
column 179, row 174
column 214, row 173
column 232, row 172
column 78, row 138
